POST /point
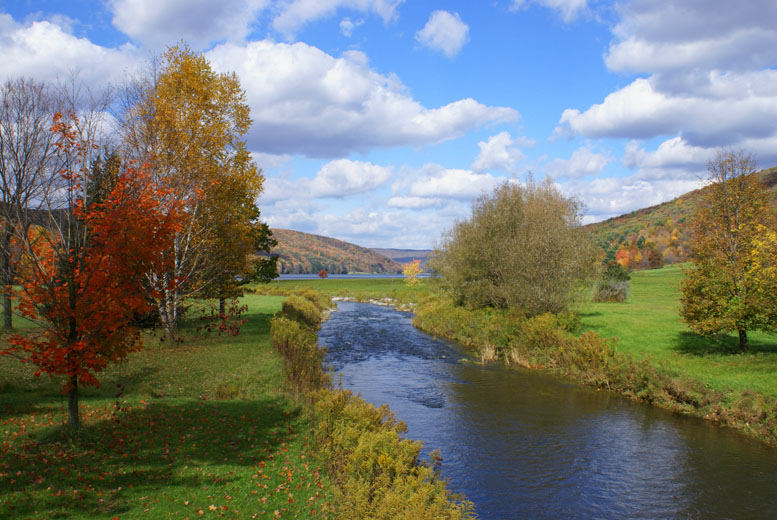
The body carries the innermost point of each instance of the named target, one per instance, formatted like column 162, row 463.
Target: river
column 523, row 444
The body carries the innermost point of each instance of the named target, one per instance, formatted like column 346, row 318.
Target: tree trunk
column 72, row 404
column 7, row 277
column 743, row 347
column 7, row 311
column 222, row 307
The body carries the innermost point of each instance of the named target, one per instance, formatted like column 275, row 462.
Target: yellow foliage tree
column 188, row 123
column 410, row 271
column 732, row 284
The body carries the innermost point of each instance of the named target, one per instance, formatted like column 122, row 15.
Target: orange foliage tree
column 83, row 269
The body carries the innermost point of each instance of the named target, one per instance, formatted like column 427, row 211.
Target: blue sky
column 379, row 121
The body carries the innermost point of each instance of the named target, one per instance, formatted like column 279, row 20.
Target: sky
column 378, row 122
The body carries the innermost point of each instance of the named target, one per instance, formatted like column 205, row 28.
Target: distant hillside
column 404, row 256
column 658, row 234
column 306, row 253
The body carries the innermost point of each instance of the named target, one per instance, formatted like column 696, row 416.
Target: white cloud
column 343, row 177
column 500, row 152
column 318, row 105
column 444, row 32
column 728, row 108
column 673, row 156
column 339, row 178
column 569, row 10
column 613, row 196
column 268, row 160
column 583, row 162
column 294, row 14
column 46, row 51
column 347, row 26
column 414, row 202
column 440, row 182
column 157, row 23
column 661, row 37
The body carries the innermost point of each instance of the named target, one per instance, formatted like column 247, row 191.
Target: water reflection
column 524, row 445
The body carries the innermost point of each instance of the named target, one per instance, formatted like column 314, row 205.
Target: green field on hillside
column 202, row 427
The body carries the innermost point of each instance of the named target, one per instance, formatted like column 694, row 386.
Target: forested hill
column 660, row 234
column 306, row 253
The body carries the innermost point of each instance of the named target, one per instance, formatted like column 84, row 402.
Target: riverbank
column 203, row 427
column 207, row 426
column 648, row 355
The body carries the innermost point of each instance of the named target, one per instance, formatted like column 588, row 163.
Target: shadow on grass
column 117, row 457
column 591, row 314
column 720, row 344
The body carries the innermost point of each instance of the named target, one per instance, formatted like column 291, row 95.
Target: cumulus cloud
column 569, row 10
column 414, row 202
column 674, row 36
column 500, row 152
column 711, row 82
column 613, row 196
column 583, row 162
column 444, row 32
column 292, row 15
column 46, row 51
column 340, row 178
column 439, row 182
column 308, row 102
column 158, row 23
column 672, row 157
column 727, row 108
column 343, row 177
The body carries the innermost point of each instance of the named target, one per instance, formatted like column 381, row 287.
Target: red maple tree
column 82, row 273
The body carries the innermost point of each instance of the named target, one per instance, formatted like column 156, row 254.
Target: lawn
column 649, row 325
column 201, row 428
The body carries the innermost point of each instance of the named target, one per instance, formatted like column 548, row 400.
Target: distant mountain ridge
column 307, row 253
column 637, row 238
column 404, row 256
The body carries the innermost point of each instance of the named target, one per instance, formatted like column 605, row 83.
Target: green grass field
column 649, row 325
column 200, row 428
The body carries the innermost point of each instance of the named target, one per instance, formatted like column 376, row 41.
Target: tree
column 188, row 122
column 82, row 279
column 26, row 150
column 410, row 271
column 522, row 247
column 725, row 289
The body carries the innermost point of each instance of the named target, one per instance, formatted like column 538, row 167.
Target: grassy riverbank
column 207, row 428
column 203, row 427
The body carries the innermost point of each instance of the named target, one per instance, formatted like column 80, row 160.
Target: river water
column 521, row 444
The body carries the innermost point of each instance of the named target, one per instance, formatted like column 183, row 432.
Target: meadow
column 200, row 427
column 649, row 326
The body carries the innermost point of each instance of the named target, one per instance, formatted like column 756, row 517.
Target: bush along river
column 523, row 444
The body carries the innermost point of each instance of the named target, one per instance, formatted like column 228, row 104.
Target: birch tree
column 188, row 122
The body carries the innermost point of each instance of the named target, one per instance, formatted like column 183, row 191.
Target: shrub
column 611, row 291
column 319, row 299
column 303, row 310
column 303, row 358
column 614, row 284
column 376, row 470
column 522, row 247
